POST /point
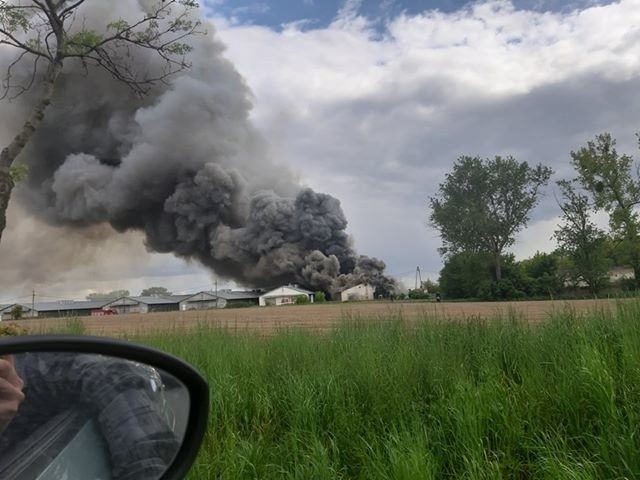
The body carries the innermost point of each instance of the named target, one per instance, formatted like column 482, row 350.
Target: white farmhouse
column 284, row 296
column 360, row 292
column 616, row 274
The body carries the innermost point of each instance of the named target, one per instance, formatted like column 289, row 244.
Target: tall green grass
column 475, row 399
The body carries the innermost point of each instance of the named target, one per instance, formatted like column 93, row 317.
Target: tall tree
column 52, row 33
column 581, row 240
column 612, row 180
column 483, row 204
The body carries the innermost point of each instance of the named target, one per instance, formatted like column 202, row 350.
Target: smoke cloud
column 185, row 166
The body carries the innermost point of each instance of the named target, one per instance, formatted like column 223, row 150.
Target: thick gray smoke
column 185, row 166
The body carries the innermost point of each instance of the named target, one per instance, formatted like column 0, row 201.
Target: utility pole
column 33, row 303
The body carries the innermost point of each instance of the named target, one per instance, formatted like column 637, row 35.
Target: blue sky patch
column 320, row 13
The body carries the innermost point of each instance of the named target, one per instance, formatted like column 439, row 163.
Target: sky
column 373, row 102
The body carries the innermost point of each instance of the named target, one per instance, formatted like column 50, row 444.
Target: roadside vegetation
column 444, row 400
column 483, row 203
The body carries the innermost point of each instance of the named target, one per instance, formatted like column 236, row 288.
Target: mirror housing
column 192, row 381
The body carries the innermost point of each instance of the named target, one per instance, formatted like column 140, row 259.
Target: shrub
column 240, row 305
column 320, row 297
column 11, row 330
column 302, row 300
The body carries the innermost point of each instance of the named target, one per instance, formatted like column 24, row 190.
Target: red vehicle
column 102, row 312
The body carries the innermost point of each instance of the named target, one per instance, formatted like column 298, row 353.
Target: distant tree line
column 115, row 294
column 483, row 204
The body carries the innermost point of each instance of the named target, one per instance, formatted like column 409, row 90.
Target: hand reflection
column 11, row 395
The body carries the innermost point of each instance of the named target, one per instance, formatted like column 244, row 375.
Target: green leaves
column 13, row 18
column 613, row 183
column 82, row 42
column 482, row 204
column 581, row 240
column 19, row 172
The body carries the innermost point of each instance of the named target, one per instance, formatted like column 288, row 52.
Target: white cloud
column 378, row 120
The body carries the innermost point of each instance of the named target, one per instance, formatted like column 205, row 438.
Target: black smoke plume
column 185, row 166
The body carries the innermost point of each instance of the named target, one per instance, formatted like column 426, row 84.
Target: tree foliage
column 320, row 297
column 581, row 240
column 50, row 32
column 17, row 312
column 463, row 274
column 302, row 300
column 612, row 181
column 113, row 295
column 541, row 274
column 155, row 292
column 483, row 204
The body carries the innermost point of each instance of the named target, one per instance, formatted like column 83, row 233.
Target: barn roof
column 164, row 300
column 69, row 305
column 275, row 293
column 230, row 294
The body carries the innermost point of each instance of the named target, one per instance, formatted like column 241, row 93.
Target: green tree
column 581, row 240
column 541, row 274
column 52, row 33
column 320, row 297
column 17, row 312
column 483, row 204
column 463, row 273
column 612, row 181
column 114, row 294
column 155, row 292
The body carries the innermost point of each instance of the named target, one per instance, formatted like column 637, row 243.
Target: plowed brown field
column 267, row 320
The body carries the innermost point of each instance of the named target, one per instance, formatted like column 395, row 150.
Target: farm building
column 284, row 296
column 6, row 311
column 617, row 274
column 62, row 308
column 146, row 304
column 360, row 292
column 209, row 300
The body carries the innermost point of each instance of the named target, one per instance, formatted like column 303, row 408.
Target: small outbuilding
column 359, row 293
column 6, row 311
column 286, row 295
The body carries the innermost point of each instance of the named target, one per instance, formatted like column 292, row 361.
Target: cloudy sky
column 373, row 101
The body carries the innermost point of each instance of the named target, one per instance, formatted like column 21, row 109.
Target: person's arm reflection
column 11, row 395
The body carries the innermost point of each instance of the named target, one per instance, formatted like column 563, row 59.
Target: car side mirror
column 78, row 407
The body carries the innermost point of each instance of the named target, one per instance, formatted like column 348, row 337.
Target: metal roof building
column 219, row 299
column 146, row 304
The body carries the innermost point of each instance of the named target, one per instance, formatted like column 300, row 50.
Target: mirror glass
column 71, row 416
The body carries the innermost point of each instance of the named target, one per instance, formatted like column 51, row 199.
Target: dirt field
column 313, row 317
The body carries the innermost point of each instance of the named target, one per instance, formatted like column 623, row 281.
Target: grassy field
column 471, row 399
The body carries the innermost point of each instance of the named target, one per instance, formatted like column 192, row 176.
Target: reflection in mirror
column 79, row 416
